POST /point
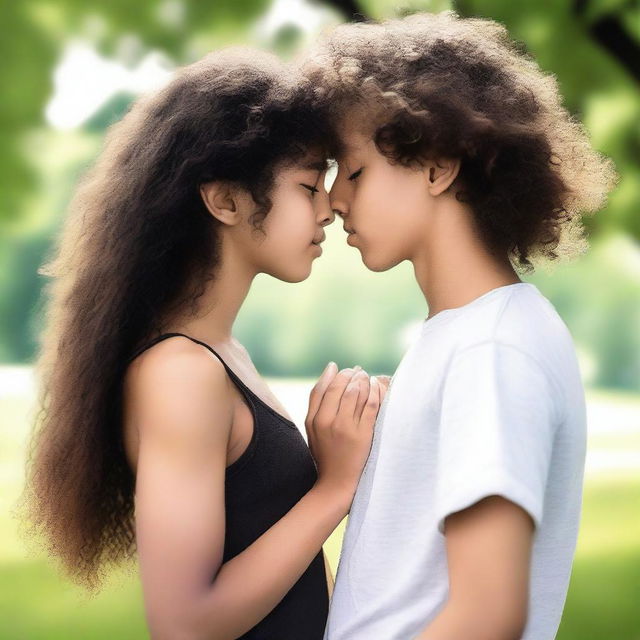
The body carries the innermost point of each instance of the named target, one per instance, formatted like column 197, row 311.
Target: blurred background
column 72, row 67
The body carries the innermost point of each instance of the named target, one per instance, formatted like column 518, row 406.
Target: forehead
column 314, row 163
column 311, row 162
column 349, row 143
column 352, row 137
column 356, row 122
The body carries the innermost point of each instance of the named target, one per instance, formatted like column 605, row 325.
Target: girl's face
column 294, row 225
column 385, row 207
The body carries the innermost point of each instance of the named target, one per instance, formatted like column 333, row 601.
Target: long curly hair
column 138, row 244
column 437, row 85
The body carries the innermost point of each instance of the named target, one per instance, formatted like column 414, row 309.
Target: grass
column 36, row 603
column 602, row 602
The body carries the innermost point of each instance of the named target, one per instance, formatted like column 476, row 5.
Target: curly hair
column 138, row 244
column 437, row 85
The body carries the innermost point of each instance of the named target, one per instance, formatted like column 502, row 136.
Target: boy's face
column 386, row 205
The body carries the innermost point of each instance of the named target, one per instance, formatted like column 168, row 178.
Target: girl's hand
column 384, row 385
column 343, row 407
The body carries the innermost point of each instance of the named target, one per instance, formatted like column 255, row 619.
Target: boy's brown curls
column 437, row 85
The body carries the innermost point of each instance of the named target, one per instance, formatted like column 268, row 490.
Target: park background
column 70, row 68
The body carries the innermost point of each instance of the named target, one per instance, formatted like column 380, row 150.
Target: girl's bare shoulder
column 177, row 381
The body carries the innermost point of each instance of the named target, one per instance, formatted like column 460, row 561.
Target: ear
column 441, row 173
column 222, row 200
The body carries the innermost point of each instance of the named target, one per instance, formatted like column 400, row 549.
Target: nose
column 339, row 195
column 325, row 214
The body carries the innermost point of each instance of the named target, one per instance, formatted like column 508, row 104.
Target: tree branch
column 349, row 9
column 609, row 33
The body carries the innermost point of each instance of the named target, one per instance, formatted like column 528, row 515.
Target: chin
column 292, row 276
column 378, row 264
column 292, row 279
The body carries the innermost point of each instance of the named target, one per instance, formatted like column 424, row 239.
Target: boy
column 454, row 152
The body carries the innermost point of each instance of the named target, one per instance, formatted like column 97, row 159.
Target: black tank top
column 261, row 486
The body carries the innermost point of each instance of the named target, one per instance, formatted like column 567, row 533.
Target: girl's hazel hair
column 437, row 85
column 138, row 245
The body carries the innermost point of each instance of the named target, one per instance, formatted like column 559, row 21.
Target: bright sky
column 84, row 80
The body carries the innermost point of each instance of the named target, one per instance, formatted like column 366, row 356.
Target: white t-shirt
column 487, row 400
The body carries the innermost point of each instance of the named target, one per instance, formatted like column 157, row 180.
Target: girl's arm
column 184, row 415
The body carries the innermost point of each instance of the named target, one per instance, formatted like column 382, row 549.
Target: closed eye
column 354, row 175
column 312, row 189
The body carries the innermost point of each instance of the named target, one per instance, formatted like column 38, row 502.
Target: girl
column 149, row 405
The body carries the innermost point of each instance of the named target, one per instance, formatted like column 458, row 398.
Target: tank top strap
column 163, row 336
column 254, row 399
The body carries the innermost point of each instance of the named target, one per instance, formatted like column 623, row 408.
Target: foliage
column 342, row 312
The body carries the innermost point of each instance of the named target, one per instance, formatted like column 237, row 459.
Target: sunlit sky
column 84, row 80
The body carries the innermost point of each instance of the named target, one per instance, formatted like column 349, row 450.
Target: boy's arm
column 488, row 557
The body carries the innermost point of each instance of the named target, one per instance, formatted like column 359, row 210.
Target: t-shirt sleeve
column 498, row 418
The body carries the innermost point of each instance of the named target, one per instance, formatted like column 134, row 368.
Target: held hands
column 343, row 407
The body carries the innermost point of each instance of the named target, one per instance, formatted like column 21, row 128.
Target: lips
column 350, row 235
column 319, row 240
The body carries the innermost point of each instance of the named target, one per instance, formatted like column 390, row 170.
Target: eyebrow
column 342, row 151
column 316, row 165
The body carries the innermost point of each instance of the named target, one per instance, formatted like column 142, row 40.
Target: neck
column 454, row 266
column 220, row 303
